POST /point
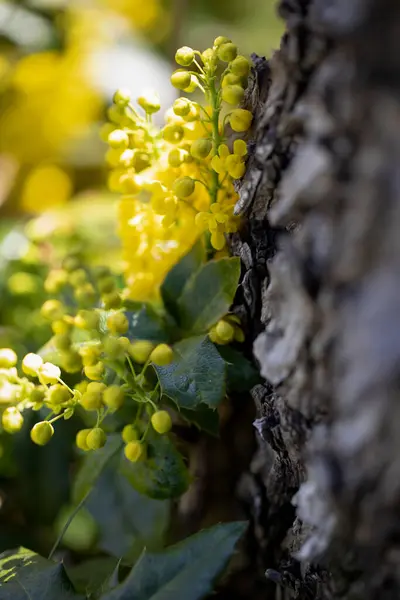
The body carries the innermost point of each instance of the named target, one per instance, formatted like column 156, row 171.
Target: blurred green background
column 60, row 62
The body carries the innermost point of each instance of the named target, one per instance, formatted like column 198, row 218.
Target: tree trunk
column 320, row 297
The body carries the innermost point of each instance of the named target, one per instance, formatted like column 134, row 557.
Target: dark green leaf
column 208, row 295
column 128, row 521
column 92, row 466
column 147, row 324
column 196, row 376
column 241, row 374
column 26, row 575
column 163, row 474
column 205, row 418
column 186, row 571
column 92, row 574
column 178, row 276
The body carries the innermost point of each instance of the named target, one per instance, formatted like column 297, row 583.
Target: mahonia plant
column 126, row 366
column 177, row 182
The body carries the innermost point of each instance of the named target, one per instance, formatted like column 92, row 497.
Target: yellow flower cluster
column 177, row 182
column 102, row 350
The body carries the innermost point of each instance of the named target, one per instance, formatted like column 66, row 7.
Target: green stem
column 60, row 416
column 68, row 523
column 216, row 139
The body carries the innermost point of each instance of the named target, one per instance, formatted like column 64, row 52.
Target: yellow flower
column 231, row 163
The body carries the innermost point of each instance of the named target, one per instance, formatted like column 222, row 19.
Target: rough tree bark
column 320, row 296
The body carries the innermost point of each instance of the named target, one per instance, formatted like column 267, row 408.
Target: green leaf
column 205, row 418
column 208, row 295
column 147, row 324
column 186, row 571
column 26, row 575
column 241, row 374
column 127, row 520
column 91, row 575
column 196, row 376
column 178, row 276
column 163, row 474
column 92, row 466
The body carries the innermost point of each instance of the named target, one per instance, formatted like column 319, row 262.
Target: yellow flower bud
column 184, row 56
column 55, row 281
column 106, row 284
column 128, row 184
column 118, row 323
column 225, row 331
column 58, row 394
column 71, row 361
column 96, row 438
column 192, row 85
column 230, row 79
column 48, row 373
column 130, row 434
column 111, row 301
column 201, row 148
column 95, row 372
column 239, row 334
column 173, row 133
column 85, row 294
column 217, row 240
column 42, row 432
column 91, row 400
column 184, row 187
column 221, row 40
column 8, row 358
column 240, row 119
column 61, row 327
column 118, row 139
column 150, row 103
column 12, row 420
column 227, row 52
column 122, row 97
column 240, row 66
column 87, row 319
column 207, row 56
column 175, row 158
column 114, row 397
column 135, row 451
column 52, row 310
column 141, row 350
column 180, row 79
column 31, row 364
column 162, row 355
column 161, row 421
column 181, row 107
column 90, row 354
column 80, row 439
column 232, row 94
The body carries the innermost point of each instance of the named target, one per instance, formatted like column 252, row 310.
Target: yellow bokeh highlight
column 46, row 186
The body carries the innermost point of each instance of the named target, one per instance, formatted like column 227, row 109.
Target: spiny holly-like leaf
column 241, row 374
column 186, row 571
column 208, row 294
column 178, row 276
column 163, row 474
column 197, row 375
column 26, row 575
column 92, row 466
